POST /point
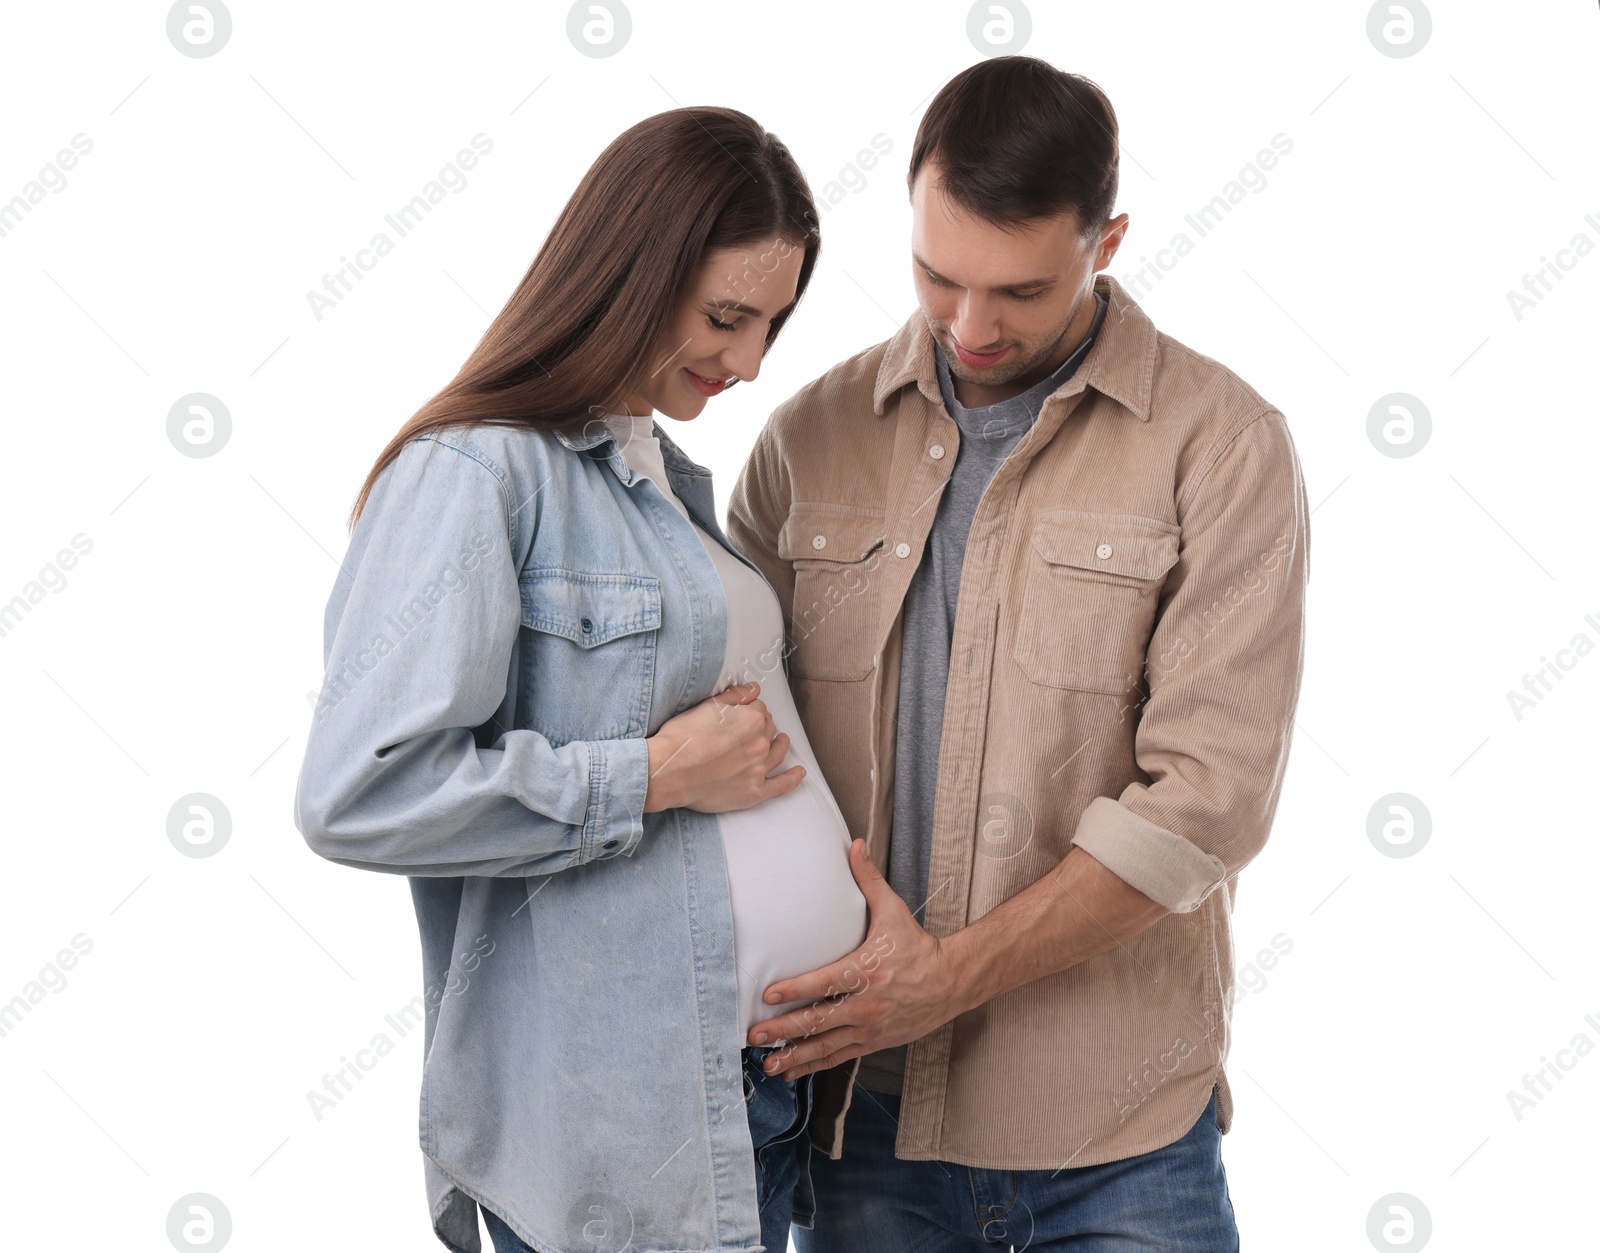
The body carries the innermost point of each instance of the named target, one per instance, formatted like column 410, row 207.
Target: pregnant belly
column 796, row 906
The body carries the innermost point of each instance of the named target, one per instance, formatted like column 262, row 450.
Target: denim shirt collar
column 596, row 432
column 691, row 481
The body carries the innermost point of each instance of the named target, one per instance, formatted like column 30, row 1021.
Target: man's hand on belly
column 896, row 987
column 903, row 982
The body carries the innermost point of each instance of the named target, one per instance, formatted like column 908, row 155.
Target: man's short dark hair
column 1016, row 139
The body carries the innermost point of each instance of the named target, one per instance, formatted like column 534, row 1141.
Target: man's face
column 1002, row 303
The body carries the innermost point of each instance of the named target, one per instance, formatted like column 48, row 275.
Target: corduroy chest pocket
column 588, row 653
column 834, row 617
column 1093, row 581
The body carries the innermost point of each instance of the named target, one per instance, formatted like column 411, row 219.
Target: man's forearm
column 1077, row 911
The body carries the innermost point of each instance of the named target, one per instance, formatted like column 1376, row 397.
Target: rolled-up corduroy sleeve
column 404, row 771
column 1223, row 666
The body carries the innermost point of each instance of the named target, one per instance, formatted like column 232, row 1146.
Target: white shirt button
column 936, row 451
column 819, row 541
column 1102, row 552
column 902, row 550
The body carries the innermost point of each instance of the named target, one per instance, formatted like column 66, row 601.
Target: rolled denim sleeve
column 409, row 768
column 1223, row 666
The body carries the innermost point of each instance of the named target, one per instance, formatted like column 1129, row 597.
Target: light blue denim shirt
column 516, row 612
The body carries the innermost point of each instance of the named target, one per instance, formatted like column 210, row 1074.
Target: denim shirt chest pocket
column 588, row 652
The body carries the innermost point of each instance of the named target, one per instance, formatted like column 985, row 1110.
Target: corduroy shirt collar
column 1121, row 364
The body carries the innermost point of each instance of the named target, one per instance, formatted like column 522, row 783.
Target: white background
column 177, row 658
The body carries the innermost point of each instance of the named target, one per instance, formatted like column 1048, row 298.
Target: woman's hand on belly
column 716, row 756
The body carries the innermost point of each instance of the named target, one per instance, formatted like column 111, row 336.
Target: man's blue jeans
column 1173, row 1198
column 777, row 1110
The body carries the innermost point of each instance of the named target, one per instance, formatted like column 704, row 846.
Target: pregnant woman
column 555, row 700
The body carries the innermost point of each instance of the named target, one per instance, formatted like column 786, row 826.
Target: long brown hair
column 583, row 326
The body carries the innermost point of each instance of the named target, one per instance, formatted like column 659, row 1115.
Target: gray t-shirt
column 988, row 434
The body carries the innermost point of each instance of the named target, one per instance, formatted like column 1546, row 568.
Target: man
column 1045, row 567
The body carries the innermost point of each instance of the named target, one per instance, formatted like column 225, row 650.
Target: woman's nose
column 744, row 361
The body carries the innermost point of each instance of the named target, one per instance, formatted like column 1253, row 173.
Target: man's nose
column 975, row 325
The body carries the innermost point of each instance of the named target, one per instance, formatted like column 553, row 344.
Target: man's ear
column 1111, row 240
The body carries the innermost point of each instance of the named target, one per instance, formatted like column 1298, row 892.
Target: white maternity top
column 796, row 906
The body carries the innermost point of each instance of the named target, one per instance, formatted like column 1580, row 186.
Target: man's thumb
column 868, row 877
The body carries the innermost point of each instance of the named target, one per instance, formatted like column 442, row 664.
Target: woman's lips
column 707, row 387
column 978, row 358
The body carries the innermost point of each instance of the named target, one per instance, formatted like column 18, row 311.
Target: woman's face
column 719, row 329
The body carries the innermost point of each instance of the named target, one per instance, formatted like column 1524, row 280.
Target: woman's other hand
column 716, row 756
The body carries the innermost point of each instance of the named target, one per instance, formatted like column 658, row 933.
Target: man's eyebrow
column 1022, row 286
column 1032, row 282
column 928, row 267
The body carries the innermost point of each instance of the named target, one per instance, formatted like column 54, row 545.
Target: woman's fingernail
column 761, row 1037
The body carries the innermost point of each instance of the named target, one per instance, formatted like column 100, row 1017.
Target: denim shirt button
column 609, row 845
column 587, row 625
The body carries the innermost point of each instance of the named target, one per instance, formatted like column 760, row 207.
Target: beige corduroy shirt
column 1124, row 669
